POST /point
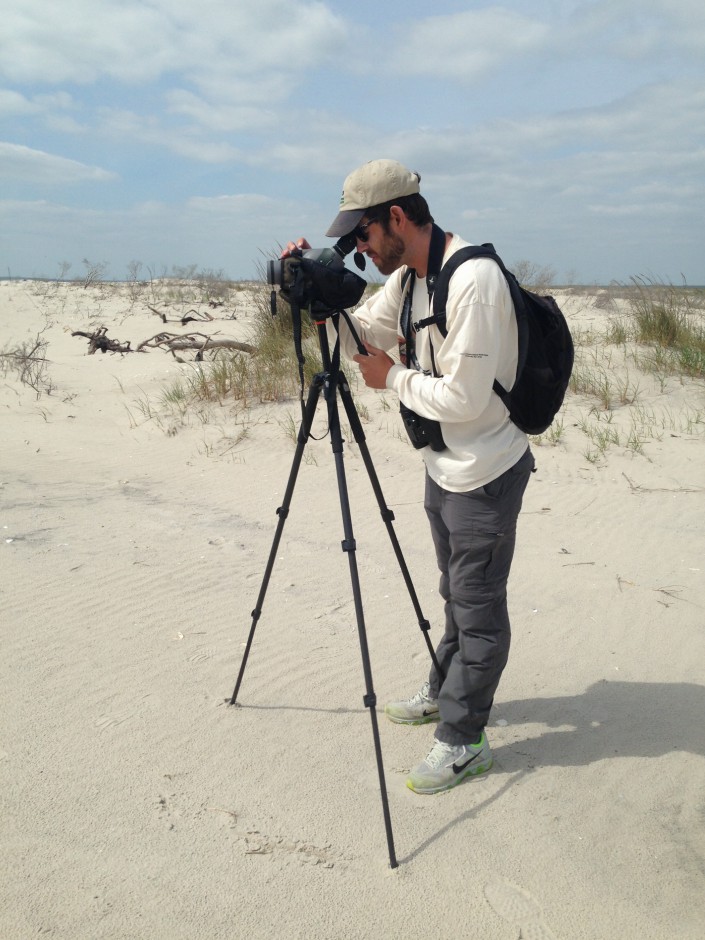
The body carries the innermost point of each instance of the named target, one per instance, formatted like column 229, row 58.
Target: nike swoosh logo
column 434, row 711
column 459, row 768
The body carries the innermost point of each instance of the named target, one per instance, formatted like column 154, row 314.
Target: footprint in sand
column 517, row 906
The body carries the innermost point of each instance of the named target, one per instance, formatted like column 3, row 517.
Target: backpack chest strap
column 429, row 321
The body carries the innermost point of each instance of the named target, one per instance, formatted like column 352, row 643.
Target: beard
column 390, row 254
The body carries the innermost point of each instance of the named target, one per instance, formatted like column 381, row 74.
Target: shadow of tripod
column 331, row 383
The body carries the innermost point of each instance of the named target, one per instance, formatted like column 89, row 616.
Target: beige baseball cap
column 370, row 185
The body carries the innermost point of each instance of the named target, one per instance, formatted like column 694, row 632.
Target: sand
column 137, row 803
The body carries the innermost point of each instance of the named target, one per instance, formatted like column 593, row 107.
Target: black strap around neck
column 409, row 351
column 436, row 250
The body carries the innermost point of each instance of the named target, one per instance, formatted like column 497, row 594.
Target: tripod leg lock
column 425, row 625
column 349, row 545
column 284, row 513
column 370, row 700
column 387, row 515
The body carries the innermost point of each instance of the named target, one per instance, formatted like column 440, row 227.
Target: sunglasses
column 361, row 231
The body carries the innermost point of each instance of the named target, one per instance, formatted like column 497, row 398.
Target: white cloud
column 35, row 166
column 12, row 103
column 223, row 117
column 79, row 41
column 645, row 210
column 51, row 108
column 234, row 204
column 201, row 151
column 123, row 125
column 656, row 129
column 466, row 45
column 653, row 28
column 469, row 45
column 527, row 122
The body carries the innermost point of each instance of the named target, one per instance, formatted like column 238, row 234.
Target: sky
column 170, row 133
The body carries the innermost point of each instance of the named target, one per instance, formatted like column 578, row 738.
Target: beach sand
column 137, row 803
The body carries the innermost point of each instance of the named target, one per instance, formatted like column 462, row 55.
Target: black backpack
column 545, row 345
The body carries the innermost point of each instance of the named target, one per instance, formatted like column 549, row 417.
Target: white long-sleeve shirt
column 481, row 345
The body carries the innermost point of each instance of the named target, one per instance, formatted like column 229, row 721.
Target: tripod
column 332, row 383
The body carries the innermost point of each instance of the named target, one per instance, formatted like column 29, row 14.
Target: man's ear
column 397, row 217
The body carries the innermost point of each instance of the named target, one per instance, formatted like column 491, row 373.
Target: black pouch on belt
column 422, row 432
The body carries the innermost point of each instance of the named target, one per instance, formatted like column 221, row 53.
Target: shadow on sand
column 609, row 719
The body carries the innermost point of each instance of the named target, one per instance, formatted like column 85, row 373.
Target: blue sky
column 169, row 132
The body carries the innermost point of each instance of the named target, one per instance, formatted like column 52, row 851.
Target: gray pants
column 474, row 535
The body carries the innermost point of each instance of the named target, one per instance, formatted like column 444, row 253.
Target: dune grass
column 669, row 323
column 654, row 331
column 651, row 335
column 655, row 335
column 270, row 374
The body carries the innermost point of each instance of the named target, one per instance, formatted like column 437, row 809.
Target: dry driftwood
column 190, row 316
column 192, row 342
column 198, row 343
column 99, row 340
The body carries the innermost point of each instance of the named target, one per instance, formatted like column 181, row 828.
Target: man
column 474, row 486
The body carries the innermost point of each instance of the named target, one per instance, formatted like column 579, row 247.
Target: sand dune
column 138, row 804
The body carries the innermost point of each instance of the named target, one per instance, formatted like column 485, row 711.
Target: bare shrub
column 534, row 277
column 95, row 271
column 29, row 361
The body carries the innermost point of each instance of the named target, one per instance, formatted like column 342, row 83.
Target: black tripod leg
column 282, row 512
column 370, row 699
column 387, row 515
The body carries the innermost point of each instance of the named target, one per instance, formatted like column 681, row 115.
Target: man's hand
column 374, row 366
column 299, row 245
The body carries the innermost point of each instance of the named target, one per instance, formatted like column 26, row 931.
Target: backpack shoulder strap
column 440, row 299
column 440, row 291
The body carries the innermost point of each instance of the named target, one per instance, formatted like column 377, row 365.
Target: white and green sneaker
column 417, row 710
column 449, row 764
